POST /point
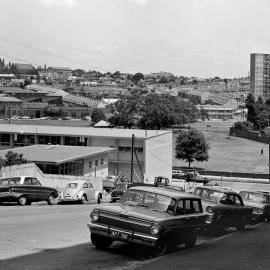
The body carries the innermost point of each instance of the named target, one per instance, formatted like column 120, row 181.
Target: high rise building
column 260, row 75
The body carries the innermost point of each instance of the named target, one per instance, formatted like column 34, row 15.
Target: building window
column 102, row 161
column 90, row 164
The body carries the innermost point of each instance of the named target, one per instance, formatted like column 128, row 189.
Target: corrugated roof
column 56, row 153
column 81, row 131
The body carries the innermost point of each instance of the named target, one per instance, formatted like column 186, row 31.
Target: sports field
column 230, row 153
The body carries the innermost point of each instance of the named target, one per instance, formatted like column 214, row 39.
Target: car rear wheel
column 51, row 200
column 83, row 199
column 100, row 242
column 22, row 200
column 240, row 226
column 191, row 240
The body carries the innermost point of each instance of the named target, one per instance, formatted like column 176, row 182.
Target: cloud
column 65, row 3
column 138, row 2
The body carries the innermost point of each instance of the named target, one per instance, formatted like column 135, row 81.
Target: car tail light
column 94, row 216
column 155, row 229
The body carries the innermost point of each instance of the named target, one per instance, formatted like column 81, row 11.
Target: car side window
column 197, row 192
column 27, row 181
column 90, row 185
column 204, row 194
column 196, row 206
column 238, row 200
column 228, row 199
column 35, row 182
column 180, row 210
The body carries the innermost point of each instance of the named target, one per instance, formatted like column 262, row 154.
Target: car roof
column 166, row 192
column 219, row 189
column 256, row 192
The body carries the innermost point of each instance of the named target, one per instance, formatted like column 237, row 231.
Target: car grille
column 124, row 222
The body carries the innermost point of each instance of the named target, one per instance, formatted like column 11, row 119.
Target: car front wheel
column 100, row 242
column 83, row 199
column 50, row 200
column 22, row 200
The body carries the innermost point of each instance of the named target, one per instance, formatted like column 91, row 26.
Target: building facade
column 152, row 148
column 260, row 75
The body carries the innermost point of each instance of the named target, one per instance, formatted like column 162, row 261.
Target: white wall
column 158, row 157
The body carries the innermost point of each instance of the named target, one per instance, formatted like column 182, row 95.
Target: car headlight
column 94, row 216
column 257, row 211
column 155, row 229
column 209, row 209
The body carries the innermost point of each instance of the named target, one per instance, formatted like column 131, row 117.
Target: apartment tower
column 260, row 75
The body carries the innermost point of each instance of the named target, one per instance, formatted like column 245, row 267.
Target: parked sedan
column 79, row 191
column 25, row 190
column 156, row 217
column 225, row 207
column 260, row 203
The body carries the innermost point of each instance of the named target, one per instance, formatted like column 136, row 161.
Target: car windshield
column 211, row 195
column 257, row 197
column 148, row 200
column 72, row 185
column 10, row 181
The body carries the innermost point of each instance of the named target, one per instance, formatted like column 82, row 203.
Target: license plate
column 120, row 235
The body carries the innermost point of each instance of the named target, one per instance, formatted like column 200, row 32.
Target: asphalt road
column 42, row 237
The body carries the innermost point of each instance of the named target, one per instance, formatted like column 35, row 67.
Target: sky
column 202, row 38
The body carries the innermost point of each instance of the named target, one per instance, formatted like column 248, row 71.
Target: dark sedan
column 259, row 201
column 117, row 194
column 225, row 207
column 156, row 217
column 25, row 190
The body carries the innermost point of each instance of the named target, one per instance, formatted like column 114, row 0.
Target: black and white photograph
column 134, row 134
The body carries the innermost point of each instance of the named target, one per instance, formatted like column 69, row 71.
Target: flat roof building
column 66, row 160
column 152, row 148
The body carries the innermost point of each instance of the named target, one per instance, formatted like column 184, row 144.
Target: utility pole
column 269, row 157
column 132, row 150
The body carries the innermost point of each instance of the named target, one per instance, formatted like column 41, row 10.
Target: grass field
column 230, row 154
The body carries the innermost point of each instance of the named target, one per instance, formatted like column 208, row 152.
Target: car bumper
column 132, row 237
column 70, row 199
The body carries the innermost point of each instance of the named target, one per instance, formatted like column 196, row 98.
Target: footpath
column 248, row 249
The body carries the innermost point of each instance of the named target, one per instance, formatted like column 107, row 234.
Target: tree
column 97, row 115
column 12, row 158
column 137, row 77
column 250, row 105
column 124, row 111
column 191, row 145
column 78, row 72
